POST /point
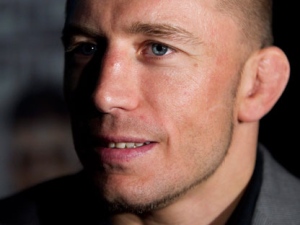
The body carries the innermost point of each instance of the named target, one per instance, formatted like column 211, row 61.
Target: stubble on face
column 218, row 153
column 118, row 204
column 166, row 194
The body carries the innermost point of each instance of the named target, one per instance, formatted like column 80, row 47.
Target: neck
column 213, row 201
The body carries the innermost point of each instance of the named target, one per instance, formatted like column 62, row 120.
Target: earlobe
column 264, row 80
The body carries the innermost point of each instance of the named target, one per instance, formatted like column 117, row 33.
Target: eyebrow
column 73, row 29
column 159, row 30
column 163, row 30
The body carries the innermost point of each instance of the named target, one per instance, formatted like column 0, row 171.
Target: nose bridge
column 112, row 63
column 117, row 84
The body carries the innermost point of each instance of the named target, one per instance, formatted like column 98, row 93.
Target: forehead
column 190, row 14
column 142, row 5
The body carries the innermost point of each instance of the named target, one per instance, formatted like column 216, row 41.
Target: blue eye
column 86, row 49
column 159, row 49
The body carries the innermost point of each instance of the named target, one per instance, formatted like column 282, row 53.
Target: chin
column 122, row 198
column 121, row 205
column 142, row 200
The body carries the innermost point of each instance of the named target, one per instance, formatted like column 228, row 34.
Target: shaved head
column 254, row 18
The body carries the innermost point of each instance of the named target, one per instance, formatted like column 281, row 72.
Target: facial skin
column 181, row 102
column 162, row 73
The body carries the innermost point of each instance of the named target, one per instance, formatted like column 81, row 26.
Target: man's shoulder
column 279, row 198
column 55, row 187
column 277, row 179
column 57, row 196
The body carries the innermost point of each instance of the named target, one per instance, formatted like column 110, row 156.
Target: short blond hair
column 254, row 17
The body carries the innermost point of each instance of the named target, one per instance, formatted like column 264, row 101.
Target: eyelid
column 148, row 44
column 75, row 41
column 73, row 46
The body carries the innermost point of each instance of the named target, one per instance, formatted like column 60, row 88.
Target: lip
column 121, row 155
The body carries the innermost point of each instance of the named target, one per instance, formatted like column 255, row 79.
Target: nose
column 118, row 84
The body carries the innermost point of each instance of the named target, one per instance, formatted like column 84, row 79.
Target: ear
column 263, row 81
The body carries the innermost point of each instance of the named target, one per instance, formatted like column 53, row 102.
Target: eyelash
column 80, row 47
column 83, row 48
column 148, row 49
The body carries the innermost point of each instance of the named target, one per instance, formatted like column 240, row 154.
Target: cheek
column 71, row 76
column 193, row 104
column 188, row 98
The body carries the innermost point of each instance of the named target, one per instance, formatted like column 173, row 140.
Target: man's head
column 165, row 96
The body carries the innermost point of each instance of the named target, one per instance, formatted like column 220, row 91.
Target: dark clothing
column 271, row 198
column 66, row 200
column 243, row 214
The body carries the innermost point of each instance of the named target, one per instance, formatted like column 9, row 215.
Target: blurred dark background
column 280, row 128
column 31, row 65
column 35, row 135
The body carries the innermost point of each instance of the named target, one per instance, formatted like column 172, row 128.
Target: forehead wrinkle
column 163, row 30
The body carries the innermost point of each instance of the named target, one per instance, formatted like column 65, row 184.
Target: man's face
column 151, row 85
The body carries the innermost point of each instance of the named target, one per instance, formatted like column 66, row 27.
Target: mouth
column 122, row 150
column 123, row 145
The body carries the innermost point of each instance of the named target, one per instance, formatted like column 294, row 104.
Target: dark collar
column 243, row 214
